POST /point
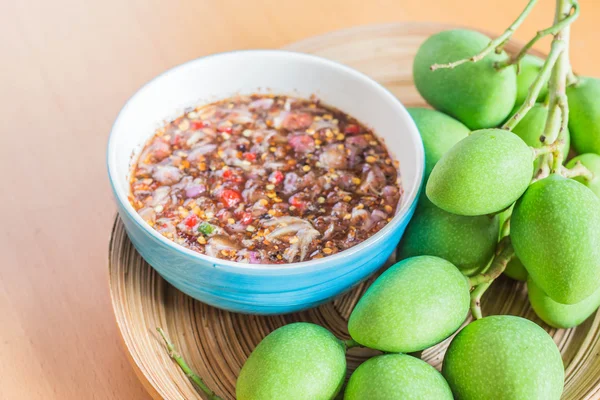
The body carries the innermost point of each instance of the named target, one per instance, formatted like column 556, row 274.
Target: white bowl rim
column 412, row 192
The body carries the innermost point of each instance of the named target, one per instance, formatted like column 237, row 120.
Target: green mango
column 297, row 361
column 592, row 162
column 439, row 133
column 529, row 70
column 477, row 94
column 555, row 230
column 516, row 270
column 561, row 315
column 467, row 242
column 504, row 357
column 531, row 127
column 415, row 304
column 584, row 115
column 396, row 377
column 483, row 174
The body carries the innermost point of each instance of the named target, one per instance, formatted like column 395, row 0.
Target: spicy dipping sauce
column 265, row 179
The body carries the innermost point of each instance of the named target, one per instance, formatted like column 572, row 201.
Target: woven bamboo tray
column 216, row 343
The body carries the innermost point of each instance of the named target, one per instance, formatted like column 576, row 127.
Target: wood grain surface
column 67, row 68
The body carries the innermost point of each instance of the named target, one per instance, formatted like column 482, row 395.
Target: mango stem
column 186, row 369
column 496, row 44
column 476, row 296
column 552, row 30
column 504, row 254
column 481, row 282
column 578, row 170
column 559, row 106
column 536, row 86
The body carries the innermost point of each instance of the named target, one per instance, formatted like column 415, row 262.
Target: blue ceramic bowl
column 258, row 288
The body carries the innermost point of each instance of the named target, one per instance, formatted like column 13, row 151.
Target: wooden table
column 67, row 68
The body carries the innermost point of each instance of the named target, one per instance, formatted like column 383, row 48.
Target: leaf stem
column 496, row 44
column 186, row 369
column 552, row 30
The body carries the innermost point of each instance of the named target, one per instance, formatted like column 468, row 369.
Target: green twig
column 558, row 113
column 496, row 44
column 552, row 30
column 186, row 369
column 476, row 296
column 484, row 280
column 504, row 254
column 549, row 149
column 577, row 170
column 536, row 86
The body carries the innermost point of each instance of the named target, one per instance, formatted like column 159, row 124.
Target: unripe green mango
column 482, row 174
column 396, row 377
column 297, row 361
column 529, row 70
column 415, row 304
column 584, row 115
column 555, row 230
column 439, row 133
column 477, row 94
column 592, row 162
column 504, row 357
column 531, row 128
column 467, row 242
column 516, row 270
column 561, row 315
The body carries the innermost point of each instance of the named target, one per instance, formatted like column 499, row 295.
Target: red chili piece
column 246, row 218
column 230, row 197
column 191, row 221
column 276, row 177
column 352, row 129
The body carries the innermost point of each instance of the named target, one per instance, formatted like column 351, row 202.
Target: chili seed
column 306, row 168
column 201, row 240
column 340, row 137
column 230, row 221
column 158, row 208
column 388, row 209
column 263, row 202
column 321, row 200
column 327, row 250
column 270, row 186
column 356, row 180
column 370, row 159
column 250, row 228
column 347, row 199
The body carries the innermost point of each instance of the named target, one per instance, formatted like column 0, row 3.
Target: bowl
column 263, row 288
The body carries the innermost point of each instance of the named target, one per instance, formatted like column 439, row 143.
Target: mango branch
column 476, row 296
column 186, row 369
column 483, row 281
column 495, row 45
column 578, row 170
column 536, row 86
column 552, row 30
column 559, row 107
column 504, row 255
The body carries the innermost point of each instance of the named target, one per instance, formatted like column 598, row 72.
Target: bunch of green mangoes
column 485, row 191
